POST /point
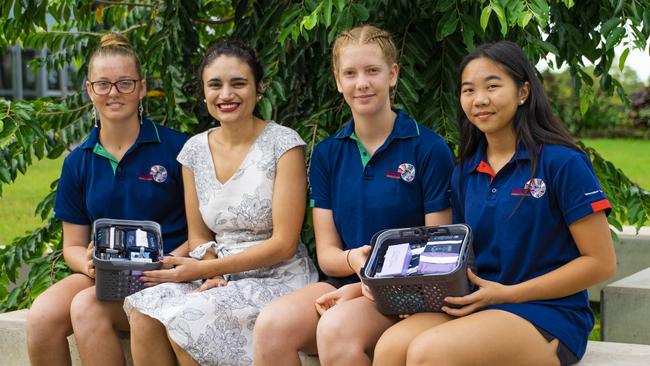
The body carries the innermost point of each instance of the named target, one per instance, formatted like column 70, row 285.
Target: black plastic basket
column 117, row 279
column 417, row 293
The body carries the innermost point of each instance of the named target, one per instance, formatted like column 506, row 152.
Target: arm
column 596, row 263
column 76, row 250
column 288, row 207
column 332, row 259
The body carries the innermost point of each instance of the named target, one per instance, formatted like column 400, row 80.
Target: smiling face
column 365, row 78
column 115, row 107
column 229, row 89
column 490, row 97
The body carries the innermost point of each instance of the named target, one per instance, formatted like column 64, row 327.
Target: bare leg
column 394, row 343
column 184, row 358
column 149, row 342
column 95, row 325
column 347, row 333
column 288, row 325
column 491, row 337
column 49, row 324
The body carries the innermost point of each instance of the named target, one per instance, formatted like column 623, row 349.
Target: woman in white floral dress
column 245, row 189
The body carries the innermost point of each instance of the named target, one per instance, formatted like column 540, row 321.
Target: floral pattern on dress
column 216, row 326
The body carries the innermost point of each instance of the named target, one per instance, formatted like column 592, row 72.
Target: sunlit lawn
column 631, row 156
column 19, row 199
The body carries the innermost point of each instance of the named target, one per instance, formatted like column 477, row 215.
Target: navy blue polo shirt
column 406, row 178
column 521, row 228
column 146, row 184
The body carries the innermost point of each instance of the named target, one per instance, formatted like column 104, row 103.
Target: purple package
column 396, row 261
column 437, row 263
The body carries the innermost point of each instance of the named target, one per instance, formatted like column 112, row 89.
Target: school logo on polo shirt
column 157, row 173
column 537, row 187
column 406, row 172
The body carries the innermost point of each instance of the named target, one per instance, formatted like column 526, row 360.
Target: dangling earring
column 140, row 109
column 95, row 116
column 259, row 97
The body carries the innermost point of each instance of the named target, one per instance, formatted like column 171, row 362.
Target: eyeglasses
column 104, row 87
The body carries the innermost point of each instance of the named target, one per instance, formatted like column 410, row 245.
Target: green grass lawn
column 631, row 156
column 19, row 199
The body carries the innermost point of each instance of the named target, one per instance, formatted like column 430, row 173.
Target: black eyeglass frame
column 115, row 84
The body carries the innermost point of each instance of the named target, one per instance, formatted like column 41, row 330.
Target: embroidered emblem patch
column 158, row 173
column 406, row 171
column 537, row 187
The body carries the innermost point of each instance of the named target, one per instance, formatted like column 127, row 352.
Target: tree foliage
column 293, row 39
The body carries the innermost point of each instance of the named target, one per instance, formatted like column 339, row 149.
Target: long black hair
column 534, row 122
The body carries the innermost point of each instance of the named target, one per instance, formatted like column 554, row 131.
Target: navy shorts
column 564, row 354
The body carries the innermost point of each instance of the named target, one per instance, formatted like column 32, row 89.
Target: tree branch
column 219, row 21
column 127, row 4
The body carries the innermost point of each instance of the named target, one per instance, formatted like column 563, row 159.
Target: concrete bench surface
column 13, row 349
column 625, row 309
column 632, row 256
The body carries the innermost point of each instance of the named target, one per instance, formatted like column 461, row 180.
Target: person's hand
column 357, row 257
column 217, row 281
column 330, row 299
column 489, row 293
column 184, row 269
column 365, row 290
column 90, row 266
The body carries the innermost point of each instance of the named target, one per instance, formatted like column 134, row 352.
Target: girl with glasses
column 125, row 169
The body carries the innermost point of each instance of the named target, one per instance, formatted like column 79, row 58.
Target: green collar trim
column 99, row 150
column 363, row 153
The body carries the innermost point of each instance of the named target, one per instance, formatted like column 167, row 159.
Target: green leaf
column 327, row 13
column 309, row 22
column 614, row 38
column 607, row 27
column 621, row 60
column 485, row 16
column 501, row 15
column 5, row 175
column 265, row 108
column 447, row 27
column 524, row 18
column 360, row 12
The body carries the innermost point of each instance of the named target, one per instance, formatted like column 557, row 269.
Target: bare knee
column 142, row 324
column 434, row 348
column 278, row 328
column 392, row 345
column 86, row 313
column 47, row 320
column 336, row 341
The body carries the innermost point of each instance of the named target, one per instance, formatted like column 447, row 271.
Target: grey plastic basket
column 417, row 293
column 115, row 280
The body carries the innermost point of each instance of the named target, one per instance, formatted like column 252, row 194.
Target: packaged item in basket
column 396, row 261
column 440, row 256
column 123, row 250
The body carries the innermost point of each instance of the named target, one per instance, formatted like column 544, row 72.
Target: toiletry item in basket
column 440, row 255
column 396, row 261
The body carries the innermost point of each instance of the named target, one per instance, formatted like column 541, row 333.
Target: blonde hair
column 365, row 34
column 115, row 44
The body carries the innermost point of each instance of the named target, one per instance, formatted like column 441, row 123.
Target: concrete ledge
column 14, row 350
column 615, row 354
column 632, row 255
column 625, row 310
column 13, row 343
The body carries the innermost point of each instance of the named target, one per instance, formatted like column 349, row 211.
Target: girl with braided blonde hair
column 382, row 170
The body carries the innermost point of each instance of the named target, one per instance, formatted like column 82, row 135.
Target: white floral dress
column 216, row 326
